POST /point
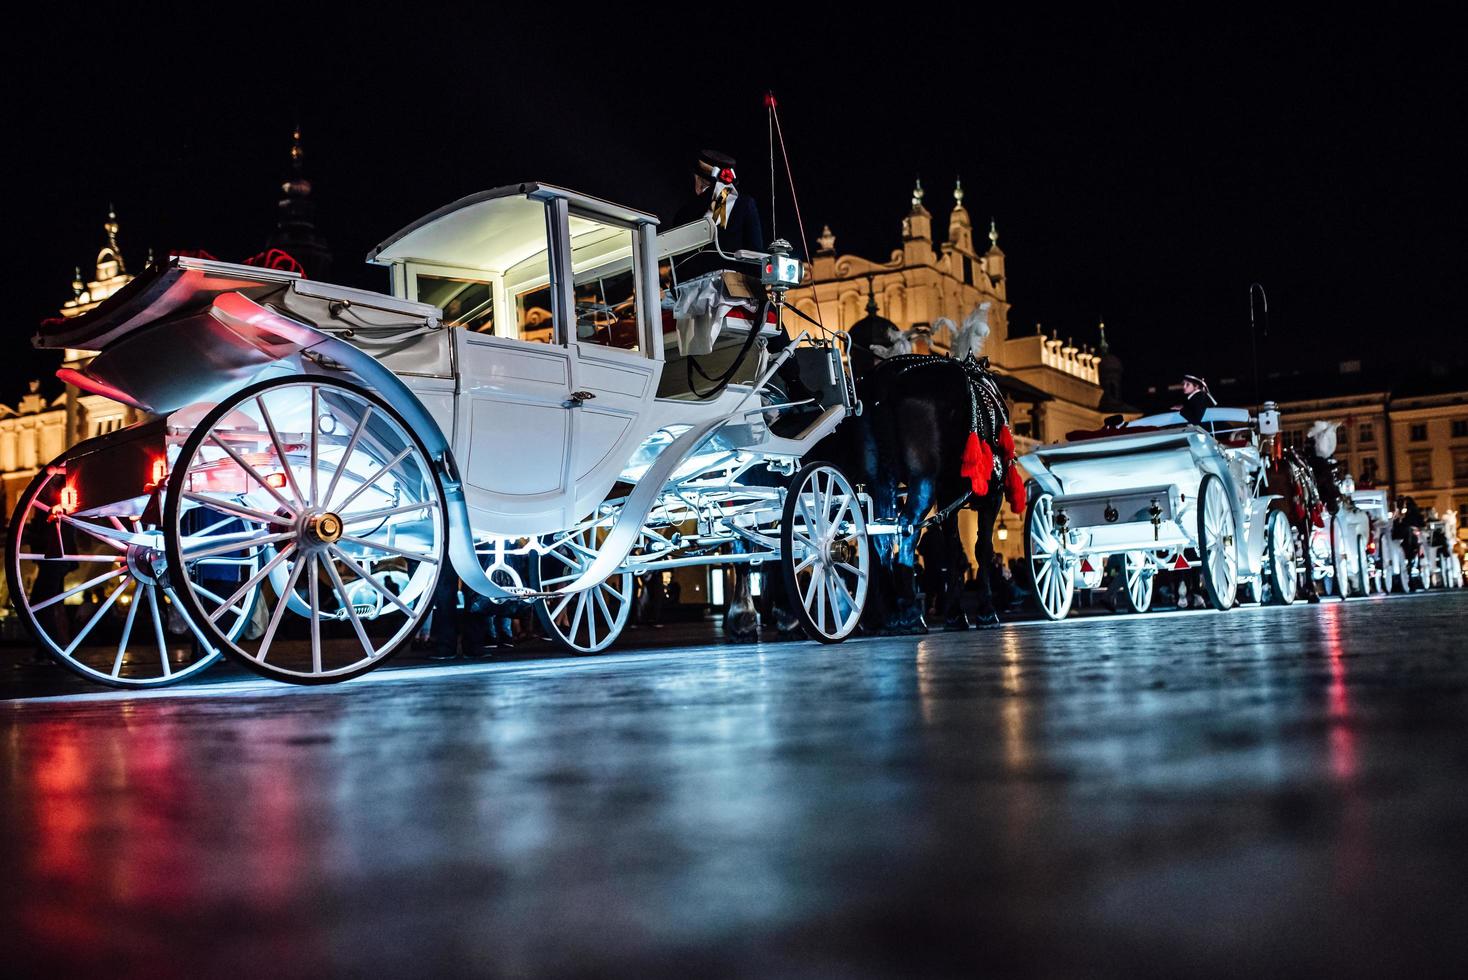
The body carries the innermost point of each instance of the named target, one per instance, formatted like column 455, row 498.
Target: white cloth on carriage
column 700, row 308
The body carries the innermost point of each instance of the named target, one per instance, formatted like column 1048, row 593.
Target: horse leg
column 909, row 609
column 881, row 612
column 986, row 615
column 1303, row 528
column 954, row 617
column 741, row 619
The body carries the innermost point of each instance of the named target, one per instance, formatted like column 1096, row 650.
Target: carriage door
column 614, row 363
column 514, row 433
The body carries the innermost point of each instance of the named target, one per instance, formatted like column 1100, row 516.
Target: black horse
column 933, row 433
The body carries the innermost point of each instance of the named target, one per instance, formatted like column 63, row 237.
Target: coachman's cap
column 713, row 165
column 1195, row 380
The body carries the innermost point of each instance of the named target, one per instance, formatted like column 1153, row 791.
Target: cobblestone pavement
column 1260, row 792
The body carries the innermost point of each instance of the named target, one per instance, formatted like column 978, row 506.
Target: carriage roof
column 494, row 230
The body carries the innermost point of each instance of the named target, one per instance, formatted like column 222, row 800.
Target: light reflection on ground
column 1265, row 790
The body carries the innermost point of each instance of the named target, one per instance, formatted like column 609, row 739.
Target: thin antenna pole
column 1253, row 334
column 770, row 119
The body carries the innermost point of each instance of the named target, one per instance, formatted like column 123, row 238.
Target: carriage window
column 466, row 303
column 604, row 276
column 528, row 288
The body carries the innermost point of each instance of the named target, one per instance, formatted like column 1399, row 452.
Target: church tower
column 994, row 263
column 295, row 225
column 918, row 225
column 960, row 228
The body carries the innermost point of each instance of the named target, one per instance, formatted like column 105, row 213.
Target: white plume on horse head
column 900, row 342
column 1322, row 435
column 975, row 332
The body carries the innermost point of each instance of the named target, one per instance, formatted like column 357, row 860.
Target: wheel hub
column 324, row 528
column 142, row 563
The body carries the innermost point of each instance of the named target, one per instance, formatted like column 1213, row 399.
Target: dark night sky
column 1141, row 172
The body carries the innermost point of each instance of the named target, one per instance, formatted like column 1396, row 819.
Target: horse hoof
column 957, row 624
column 987, row 620
column 1313, row 598
column 905, row 628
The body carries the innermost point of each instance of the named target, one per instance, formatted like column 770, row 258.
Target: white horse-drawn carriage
column 513, row 414
column 1385, row 560
column 1339, row 549
column 1159, row 495
column 1441, row 566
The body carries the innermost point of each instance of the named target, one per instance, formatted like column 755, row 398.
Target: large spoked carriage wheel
column 92, row 586
column 1279, row 559
column 1140, row 573
column 824, row 553
column 588, row 621
column 1050, row 570
column 336, row 499
column 1217, row 543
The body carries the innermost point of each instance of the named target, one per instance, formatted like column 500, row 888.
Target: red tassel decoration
column 1014, row 489
column 1006, row 443
column 978, row 463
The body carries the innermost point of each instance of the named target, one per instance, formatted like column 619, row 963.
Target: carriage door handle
column 577, row 397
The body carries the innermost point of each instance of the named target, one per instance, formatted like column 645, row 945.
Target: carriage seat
column 1081, row 435
column 726, row 347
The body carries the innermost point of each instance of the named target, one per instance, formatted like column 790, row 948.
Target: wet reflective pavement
column 1261, row 792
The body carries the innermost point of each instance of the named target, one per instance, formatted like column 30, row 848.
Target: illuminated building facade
column 1054, row 385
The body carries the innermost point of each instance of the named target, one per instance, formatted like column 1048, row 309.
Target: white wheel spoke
column 193, row 626
column 372, row 481
column 313, row 587
column 576, row 617
column 315, row 449
column 346, row 455
column 566, row 598
column 606, row 611
column 78, row 588
column 240, row 544
column 281, row 604
column 101, row 610
column 127, row 630
column 591, row 616
column 244, row 464
column 377, row 515
column 373, row 583
column 158, row 631
column 229, row 507
column 346, row 600
column 389, row 549
column 247, row 586
column 96, row 559
column 103, row 534
column 285, row 463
